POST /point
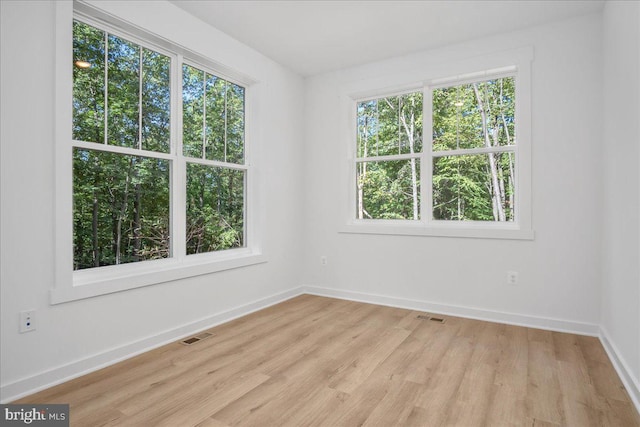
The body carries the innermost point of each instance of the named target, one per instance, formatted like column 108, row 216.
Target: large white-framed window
column 444, row 156
column 154, row 169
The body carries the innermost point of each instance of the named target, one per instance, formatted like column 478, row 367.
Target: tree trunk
column 510, row 155
column 123, row 212
column 498, row 210
column 459, row 204
column 363, row 166
column 200, row 221
column 137, row 243
column 96, row 129
column 512, row 184
column 230, row 188
column 363, row 175
column 410, row 131
column 495, row 156
column 414, row 189
column 502, row 188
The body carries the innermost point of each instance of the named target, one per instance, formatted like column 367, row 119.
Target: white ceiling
column 312, row 37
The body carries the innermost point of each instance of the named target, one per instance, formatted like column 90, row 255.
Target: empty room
column 327, row 213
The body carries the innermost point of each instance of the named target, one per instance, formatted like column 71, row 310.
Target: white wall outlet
column 27, row 321
column 323, row 260
column 512, row 277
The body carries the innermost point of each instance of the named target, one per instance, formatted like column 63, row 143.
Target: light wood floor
column 321, row 361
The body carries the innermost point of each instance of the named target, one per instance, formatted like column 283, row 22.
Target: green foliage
column 192, row 111
column 387, row 189
column 460, row 182
column 156, row 101
column 468, row 187
column 392, row 125
column 88, row 83
column 215, row 211
column 213, row 117
column 120, row 208
column 123, row 84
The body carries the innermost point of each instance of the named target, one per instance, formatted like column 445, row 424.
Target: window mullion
column 178, row 170
column 473, row 151
column 140, row 98
column 121, row 150
column 407, row 156
column 427, row 157
column 216, row 163
column 226, row 88
column 106, row 87
column 204, row 115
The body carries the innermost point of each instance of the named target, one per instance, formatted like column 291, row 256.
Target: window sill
column 440, row 229
column 111, row 279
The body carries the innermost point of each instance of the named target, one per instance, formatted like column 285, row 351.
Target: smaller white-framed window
column 455, row 158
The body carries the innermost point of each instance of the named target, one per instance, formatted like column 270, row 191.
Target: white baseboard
column 558, row 325
column 631, row 383
column 49, row 378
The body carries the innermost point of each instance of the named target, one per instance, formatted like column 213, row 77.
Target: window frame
column 515, row 63
column 73, row 285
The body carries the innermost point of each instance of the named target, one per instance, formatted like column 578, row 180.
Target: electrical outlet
column 27, row 321
column 512, row 277
column 323, row 260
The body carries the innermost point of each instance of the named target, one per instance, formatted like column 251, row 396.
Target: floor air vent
column 197, row 338
column 433, row 319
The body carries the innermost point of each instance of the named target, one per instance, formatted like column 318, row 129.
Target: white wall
column 621, row 238
column 111, row 326
column 559, row 271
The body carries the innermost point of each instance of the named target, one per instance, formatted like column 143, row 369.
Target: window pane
column 391, row 125
column 235, row 124
column 192, row 111
column 156, row 101
column 88, row 83
column 216, row 118
column 120, row 208
column 213, row 108
column 474, row 187
column 123, row 94
column 388, row 190
column 137, row 92
column 474, row 115
column 215, row 208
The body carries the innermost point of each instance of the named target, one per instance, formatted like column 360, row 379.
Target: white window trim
column 73, row 285
column 516, row 63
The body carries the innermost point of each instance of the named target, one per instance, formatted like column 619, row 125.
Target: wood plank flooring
column 314, row 361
